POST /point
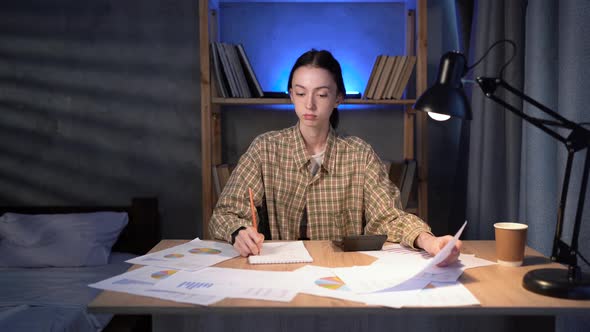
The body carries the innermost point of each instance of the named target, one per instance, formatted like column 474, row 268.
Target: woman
column 313, row 183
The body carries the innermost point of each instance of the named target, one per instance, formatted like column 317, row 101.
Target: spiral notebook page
column 282, row 253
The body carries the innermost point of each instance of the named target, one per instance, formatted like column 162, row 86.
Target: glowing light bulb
column 438, row 116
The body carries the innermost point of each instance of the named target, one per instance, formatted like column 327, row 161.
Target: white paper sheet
column 452, row 272
column 384, row 274
column 282, row 253
column 235, row 283
column 142, row 280
column 395, row 299
column 375, row 277
column 442, row 295
column 445, row 295
column 398, row 255
column 471, row 262
column 191, row 256
column 395, row 253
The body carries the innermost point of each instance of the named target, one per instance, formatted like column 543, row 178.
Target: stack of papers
column 185, row 274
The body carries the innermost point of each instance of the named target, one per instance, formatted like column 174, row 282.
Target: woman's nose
column 309, row 102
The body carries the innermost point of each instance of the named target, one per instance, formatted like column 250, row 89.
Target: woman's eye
column 323, row 95
column 300, row 94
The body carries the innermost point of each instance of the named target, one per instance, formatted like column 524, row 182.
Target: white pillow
column 60, row 240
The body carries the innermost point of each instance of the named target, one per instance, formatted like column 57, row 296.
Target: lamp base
column 555, row 283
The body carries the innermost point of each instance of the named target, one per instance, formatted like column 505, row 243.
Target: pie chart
column 163, row 274
column 208, row 251
column 174, row 256
column 333, row 283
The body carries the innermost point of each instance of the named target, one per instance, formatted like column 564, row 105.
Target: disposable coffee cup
column 510, row 243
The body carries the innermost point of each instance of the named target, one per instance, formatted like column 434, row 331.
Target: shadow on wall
column 99, row 103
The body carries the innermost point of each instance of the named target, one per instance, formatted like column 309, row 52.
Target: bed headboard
column 141, row 233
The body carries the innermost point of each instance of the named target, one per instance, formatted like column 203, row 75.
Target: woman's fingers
column 248, row 242
column 453, row 256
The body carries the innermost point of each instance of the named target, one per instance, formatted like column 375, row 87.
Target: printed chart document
column 381, row 275
column 192, row 256
column 445, row 295
column 441, row 295
column 235, row 283
column 321, row 281
column 282, row 253
column 142, row 280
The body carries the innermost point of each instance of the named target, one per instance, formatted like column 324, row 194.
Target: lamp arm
column 489, row 85
column 565, row 123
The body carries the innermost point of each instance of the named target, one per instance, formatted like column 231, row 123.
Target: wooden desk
column 499, row 289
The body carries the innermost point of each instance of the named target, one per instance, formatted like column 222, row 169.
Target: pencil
column 253, row 209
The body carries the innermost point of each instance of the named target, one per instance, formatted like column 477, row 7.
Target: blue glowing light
column 275, row 34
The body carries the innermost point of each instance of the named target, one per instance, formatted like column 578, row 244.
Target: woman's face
column 315, row 95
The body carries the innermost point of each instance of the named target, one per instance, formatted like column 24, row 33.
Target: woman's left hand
column 433, row 244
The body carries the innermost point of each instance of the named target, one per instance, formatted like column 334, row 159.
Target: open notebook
column 282, row 253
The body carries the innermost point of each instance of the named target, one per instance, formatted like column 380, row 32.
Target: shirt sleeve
column 383, row 210
column 233, row 206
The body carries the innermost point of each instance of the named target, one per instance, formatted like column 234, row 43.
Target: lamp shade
column 446, row 96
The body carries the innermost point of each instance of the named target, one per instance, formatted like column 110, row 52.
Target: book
column 253, row 83
column 371, row 77
column 282, row 253
column 405, row 77
column 399, row 84
column 384, row 79
column 395, row 77
column 375, row 77
column 220, row 79
column 392, row 78
column 227, row 70
column 236, row 65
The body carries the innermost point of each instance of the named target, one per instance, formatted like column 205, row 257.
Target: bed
column 43, row 289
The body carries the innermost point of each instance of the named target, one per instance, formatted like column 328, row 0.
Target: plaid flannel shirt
column 351, row 194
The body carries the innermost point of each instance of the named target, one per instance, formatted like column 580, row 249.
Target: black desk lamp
column 447, row 97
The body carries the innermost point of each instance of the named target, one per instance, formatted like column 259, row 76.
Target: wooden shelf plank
column 279, row 101
column 312, row 1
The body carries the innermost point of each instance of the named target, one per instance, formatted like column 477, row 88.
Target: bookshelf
column 414, row 137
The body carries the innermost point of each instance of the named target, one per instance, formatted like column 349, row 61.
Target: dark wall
column 99, row 102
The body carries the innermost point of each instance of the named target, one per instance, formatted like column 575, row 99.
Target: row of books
column 389, row 77
column 233, row 72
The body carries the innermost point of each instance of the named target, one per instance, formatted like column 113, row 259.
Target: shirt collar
column 300, row 152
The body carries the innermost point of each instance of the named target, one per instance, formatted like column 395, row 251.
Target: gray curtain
column 540, row 174
column 495, row 144
column 557, row 57
column 516, row 170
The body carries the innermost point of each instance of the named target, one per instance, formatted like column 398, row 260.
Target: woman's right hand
column 248, row 242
